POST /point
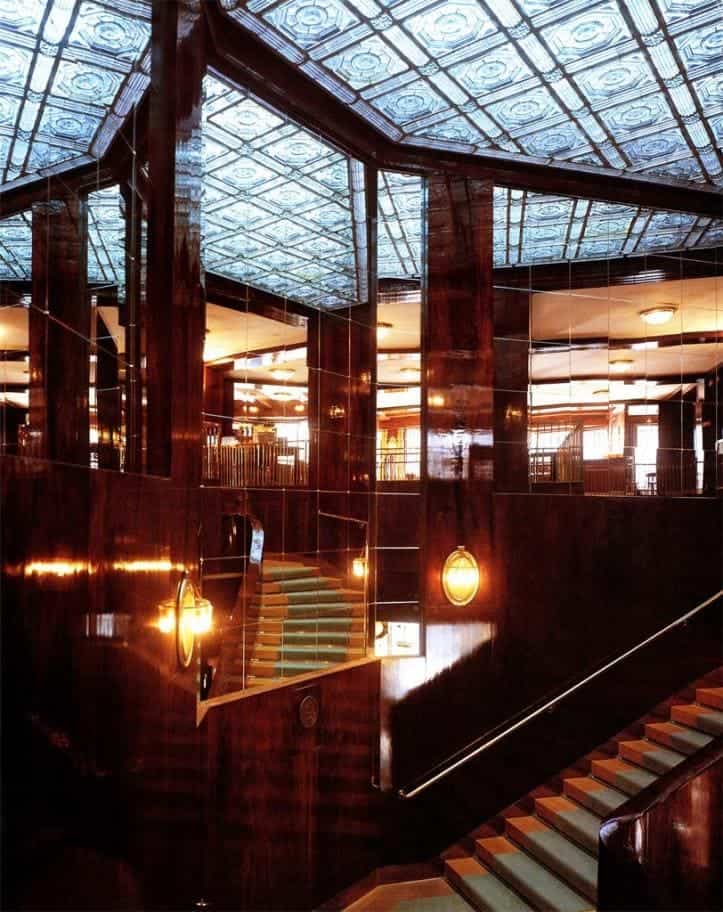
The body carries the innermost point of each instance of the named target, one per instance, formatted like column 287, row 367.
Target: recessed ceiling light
column 656, row 316
column 282, row 373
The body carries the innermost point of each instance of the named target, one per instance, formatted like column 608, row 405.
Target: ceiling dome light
column 410, row 370
column 619, row 365
column 282, row 373
column 656, row 316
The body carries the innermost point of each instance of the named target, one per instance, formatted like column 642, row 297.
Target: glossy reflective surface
column 631, row 86
column 71, row 71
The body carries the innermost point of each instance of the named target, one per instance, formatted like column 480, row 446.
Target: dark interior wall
column 101, row 751
column 577, row 581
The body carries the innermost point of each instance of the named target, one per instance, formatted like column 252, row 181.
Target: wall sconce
column 336, row 411
column 189, row 615
column 460, row 577
column 359, row 567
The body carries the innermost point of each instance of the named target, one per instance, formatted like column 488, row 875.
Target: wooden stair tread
column 624, row 776
column 483, row 889
column 704, row 718
column 679, row 737
column 710, row 696
column 650, row 755
column 596, row 796
column 530, row 878
column 557, row 853
column 571, row 819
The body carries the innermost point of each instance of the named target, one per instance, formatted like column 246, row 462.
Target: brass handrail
column 471, row 752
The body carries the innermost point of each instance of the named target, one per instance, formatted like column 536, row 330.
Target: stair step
column 282, row 637
column 652, row 756
column 307, row 596
column 318, row 652
column 594, row 795
column 528, row 877
column 710, row 696
column 303, row 584
column 701, row 717
column 271, row 572
column 624, row 776
column 347, row 624
column 570, row 818
column 300, row 612
column 482, row 888
column 558, row 853
column 285, row 669
column 679, row 737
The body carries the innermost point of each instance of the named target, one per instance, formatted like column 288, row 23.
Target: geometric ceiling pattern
column 281, row 209
column 16, row 250
column 399, row 226
column 630, row 85
column 106, row 238
column 533, row 228
column 70, row 71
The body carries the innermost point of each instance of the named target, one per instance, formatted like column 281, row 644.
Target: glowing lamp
column 359, row 567
column 189, row 615
column 460, row 577
column 656, row 316
column 282, row 373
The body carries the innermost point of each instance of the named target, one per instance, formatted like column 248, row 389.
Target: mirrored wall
column 609, row 341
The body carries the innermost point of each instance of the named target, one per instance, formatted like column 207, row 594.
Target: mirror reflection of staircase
column 302, row 618
column 541, row 853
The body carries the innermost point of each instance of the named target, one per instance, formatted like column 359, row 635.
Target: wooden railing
column 261, row 465
column 398, row 465
column 663, row 848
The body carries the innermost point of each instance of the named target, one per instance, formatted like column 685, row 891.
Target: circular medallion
column 309, row 712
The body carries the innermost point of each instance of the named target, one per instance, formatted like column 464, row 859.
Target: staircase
column 301, row 619
column 541, row 854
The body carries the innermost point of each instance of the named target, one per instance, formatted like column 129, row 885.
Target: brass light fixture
column 460, row 577
column 189, row 615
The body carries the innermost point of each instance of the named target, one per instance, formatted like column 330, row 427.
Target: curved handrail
column 486, row 741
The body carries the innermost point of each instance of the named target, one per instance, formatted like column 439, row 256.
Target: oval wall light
column 460, row 577
column 189, row 615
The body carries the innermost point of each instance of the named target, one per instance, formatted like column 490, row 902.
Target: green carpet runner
column 300, row 620
column 546, row 859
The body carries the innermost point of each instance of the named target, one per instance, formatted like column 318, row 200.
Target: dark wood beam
column 245, row 60
column 59, row 330
column 246, row 299
column 176, row 308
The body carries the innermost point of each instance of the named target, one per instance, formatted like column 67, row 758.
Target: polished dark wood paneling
column 59, row 326
column 664, row 848
column 176, row 317
column 457, row 408
column 578, row 580
column 511, row 372
column 108, row 398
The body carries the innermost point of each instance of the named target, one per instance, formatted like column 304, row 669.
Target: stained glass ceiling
column 532, row 228
column 282, row 210
column 106, row 238
column 399, row 227
column 632, row 85
column 70, row 72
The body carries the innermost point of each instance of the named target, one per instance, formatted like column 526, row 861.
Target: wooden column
column 512, row 358
column 457, row 408
column 132, row 318
column 176, row 314
column 60, row 331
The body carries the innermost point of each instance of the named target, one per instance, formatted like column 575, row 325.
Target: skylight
column 70, row 72
column 282, row 210
column 633, row 85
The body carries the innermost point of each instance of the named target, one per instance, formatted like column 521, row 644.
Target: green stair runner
column 547, row 860
column 300, row 620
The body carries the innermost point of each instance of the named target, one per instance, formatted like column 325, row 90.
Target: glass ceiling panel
column 633, row 85
column 282, row 210
column 106, row 238
column 532, row 228
column 70, row 71
column 399, row 241
column 16, row 253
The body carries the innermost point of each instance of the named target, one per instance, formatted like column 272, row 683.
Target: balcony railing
column 398, row 465
column 256, row 465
